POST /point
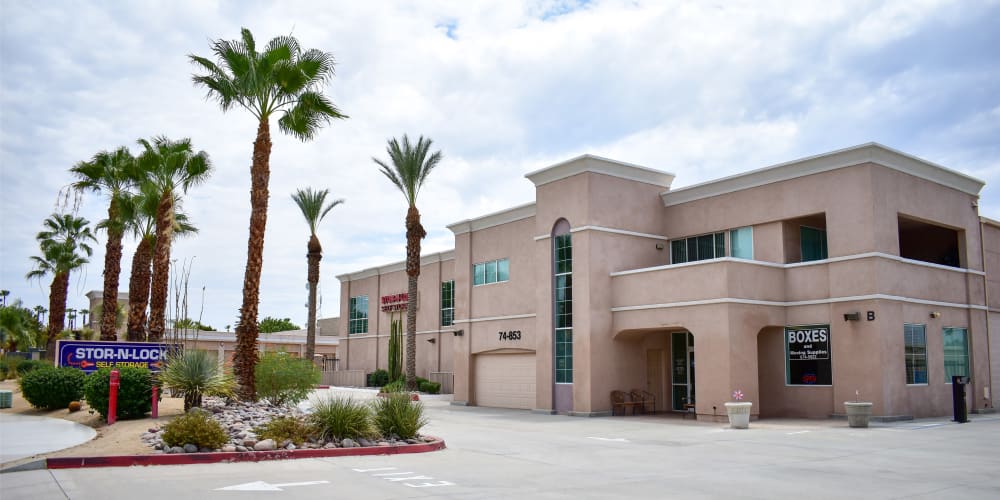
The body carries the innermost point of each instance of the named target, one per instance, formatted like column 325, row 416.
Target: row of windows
column 812, row 243
column 494, row 271
column 956, row 353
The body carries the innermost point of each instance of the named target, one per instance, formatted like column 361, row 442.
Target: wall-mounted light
column 432, row 340
column 854, row 316
column 659, row 246
column 935, row 315
column 458, row 333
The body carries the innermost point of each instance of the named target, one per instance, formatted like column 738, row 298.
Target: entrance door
column 681, row 370
column 654, row 375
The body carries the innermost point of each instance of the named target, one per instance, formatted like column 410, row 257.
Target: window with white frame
column 706, row 246
column 494, row 271
column 915, row 341
column 447, row 303
column 358, row 315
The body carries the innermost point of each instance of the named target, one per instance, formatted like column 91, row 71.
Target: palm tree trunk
column 414, row 233
column 57, row 311
column 138, row 290
column 161, row 268
column 314, row 256
column 112, row 270
column 247, row 329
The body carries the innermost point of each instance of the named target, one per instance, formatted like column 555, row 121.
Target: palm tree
column 283, row 78
column 63, row 236
column 17, row 327
column 408, row 170
column 140, row 211
column 39, row 311
column 113, row 173
column 314, row 209
column 171, row 167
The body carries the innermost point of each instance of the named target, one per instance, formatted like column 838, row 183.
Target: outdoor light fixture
column 659, row 246
column 935, row 315
column 432, row 340
column 854, row 316
column 458, row 333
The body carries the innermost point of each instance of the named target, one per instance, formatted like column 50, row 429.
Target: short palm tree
column 140, row 211
column 64, row 237
column 408, row 168
column 16, row 327
column 111, row 172
column 281, row 78
column 314, row 209
column 171, row 167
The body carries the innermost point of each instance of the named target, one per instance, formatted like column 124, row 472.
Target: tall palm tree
column 113, row 173
column 314, row 209
column 140, row 211
column 39, row 311
column 408, row 169
column 63, row 237
column 171, row 167
column 282, row 78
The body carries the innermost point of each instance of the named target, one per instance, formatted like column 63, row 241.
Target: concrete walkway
column 25, row 435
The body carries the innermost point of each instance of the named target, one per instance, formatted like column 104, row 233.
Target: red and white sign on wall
column 395, row 302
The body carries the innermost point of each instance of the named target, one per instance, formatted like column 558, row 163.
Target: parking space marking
column 428, row 481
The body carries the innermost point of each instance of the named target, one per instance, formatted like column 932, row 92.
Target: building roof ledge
column 493, row 219
column 597, row 164
column 871, row 152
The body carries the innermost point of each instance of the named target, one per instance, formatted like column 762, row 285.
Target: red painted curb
column 236, row 456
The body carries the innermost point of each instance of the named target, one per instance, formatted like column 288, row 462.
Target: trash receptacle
column 961, row 411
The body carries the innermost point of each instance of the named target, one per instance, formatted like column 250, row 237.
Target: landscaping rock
column 265, row 445
column 364, row 442
column 241, row 448
column 229, row 448
column 290, row 446
column 412, row 441
column 190, row 448
column 327, row 446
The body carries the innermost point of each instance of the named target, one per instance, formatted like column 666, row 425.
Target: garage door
column 505, row 380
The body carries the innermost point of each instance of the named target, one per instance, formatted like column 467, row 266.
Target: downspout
column 378, row 309
column 986, row 300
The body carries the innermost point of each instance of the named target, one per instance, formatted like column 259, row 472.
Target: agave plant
column 194, row 374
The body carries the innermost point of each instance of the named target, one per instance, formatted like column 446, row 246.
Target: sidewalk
column 25, row 435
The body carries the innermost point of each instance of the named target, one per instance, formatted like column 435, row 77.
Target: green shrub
column 52, row 388
column 339, row 418
column 282, row 379
column 430, row 387
column 27, row 365
column 396, row 415
column 291, row 428
column 197, row 428
column 378, row 378
column 192, row 374
column 135, row 391
column 397, row 386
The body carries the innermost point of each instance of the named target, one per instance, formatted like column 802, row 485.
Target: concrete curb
column 236, row 456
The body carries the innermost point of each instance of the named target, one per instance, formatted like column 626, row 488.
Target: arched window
column 562, row 287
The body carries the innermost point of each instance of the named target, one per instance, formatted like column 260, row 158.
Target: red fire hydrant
column 156, row 393
column 113, row 398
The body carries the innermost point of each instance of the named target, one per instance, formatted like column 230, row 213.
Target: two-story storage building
column 861, row 273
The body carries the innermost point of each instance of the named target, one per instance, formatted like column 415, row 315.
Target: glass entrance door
column 682, row 370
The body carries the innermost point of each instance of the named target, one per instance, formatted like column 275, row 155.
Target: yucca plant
column 194, row 374
column 340, row 418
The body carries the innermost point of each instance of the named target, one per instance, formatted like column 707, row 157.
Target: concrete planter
column 858, row 413
column 739, row 415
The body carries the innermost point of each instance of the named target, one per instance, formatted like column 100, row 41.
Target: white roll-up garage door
column 505, row 380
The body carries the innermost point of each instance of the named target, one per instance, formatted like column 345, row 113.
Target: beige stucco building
column 863, row 272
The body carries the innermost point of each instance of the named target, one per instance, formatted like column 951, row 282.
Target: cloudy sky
column 701, row 89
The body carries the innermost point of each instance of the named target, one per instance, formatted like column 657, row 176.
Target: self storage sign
column 808, row 342
column 92, row 356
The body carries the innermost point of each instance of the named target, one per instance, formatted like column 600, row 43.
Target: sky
column 700, row 89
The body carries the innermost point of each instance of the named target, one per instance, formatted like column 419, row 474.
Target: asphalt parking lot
column 495, row 453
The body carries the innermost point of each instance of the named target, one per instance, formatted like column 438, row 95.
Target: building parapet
column 509, row 215
column 871, row 152
column 599, row 165
column 397, row 266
